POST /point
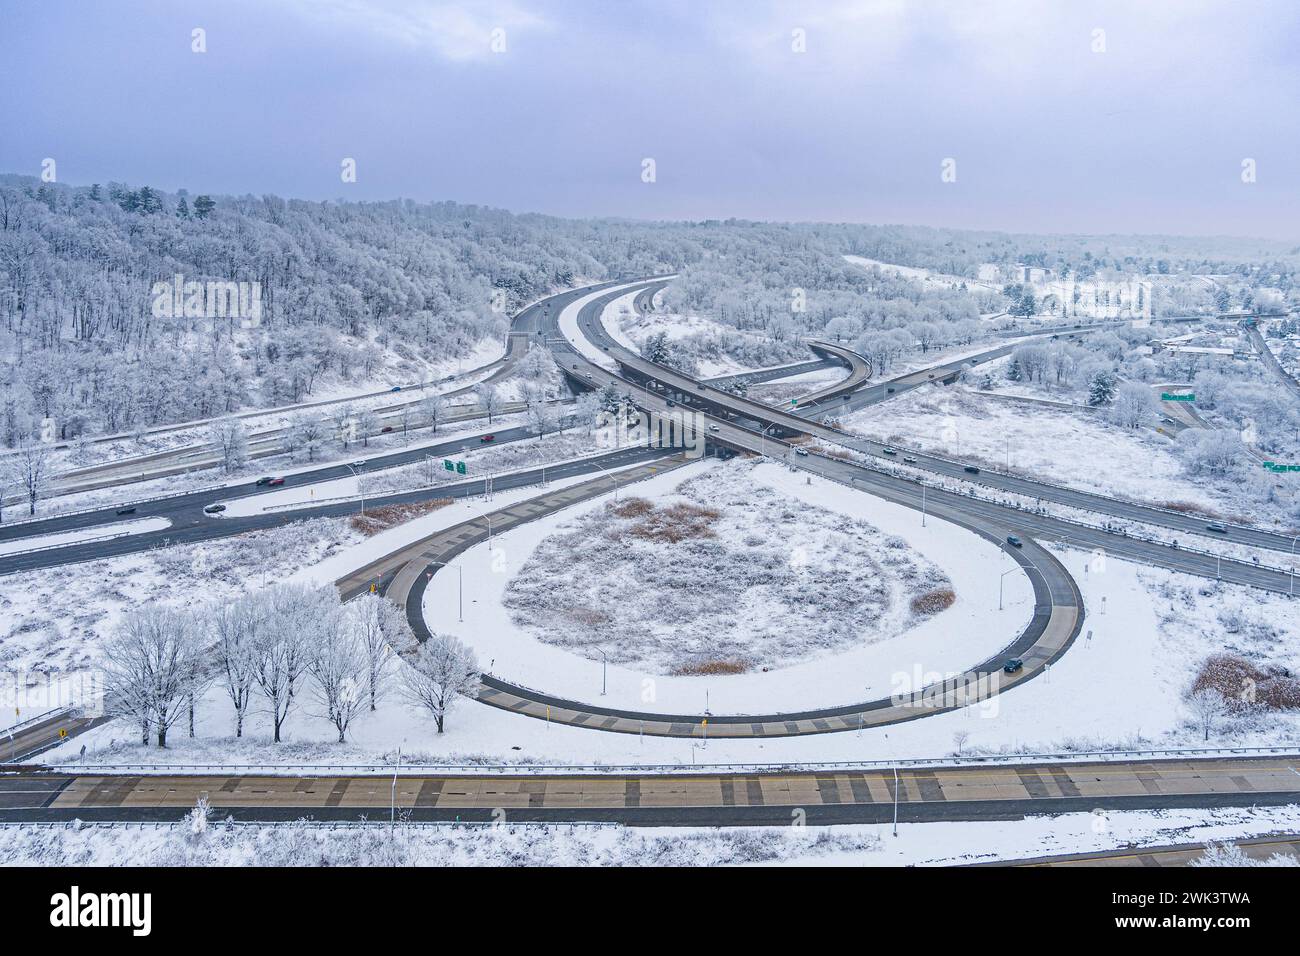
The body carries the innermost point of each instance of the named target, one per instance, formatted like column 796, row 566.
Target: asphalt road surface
column 744, row 424
column 965, row 792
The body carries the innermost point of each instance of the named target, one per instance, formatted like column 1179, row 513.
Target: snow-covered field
column 56, row 619
column 959, row 423
column 717, row 574
column 209, row 841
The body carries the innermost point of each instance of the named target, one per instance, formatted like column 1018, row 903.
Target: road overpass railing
column 524, row 769
column 307, row 823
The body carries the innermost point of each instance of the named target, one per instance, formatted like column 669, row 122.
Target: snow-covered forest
column 355, row 295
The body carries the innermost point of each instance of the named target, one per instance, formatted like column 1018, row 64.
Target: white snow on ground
column 718, row 575
column 98, row 533
column 618, row 313
column 940, row 279
column 781, row 391
column 213, row 842
column 56, row 619
column 369, row 393
column 965, row 425
column 970, row 631
column 394, row 539
column 1121, row 686
column 568, row 323
column 208, row 480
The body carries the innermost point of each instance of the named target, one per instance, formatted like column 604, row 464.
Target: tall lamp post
column 460, row 585
column 360, row 490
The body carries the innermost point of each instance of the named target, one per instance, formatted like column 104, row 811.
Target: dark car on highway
column 264, row 481
column 1014, row 541
column 1013, row 665
column 386, row 429
column 126, row 511
column 1216, row 527
column 971, row 469
column 396, row 388
column 214, row 509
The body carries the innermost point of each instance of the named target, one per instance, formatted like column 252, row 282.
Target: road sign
column 1171, row 397
column 448, row 464
column 460, row 468
column 62, row 733
column 1276, row 467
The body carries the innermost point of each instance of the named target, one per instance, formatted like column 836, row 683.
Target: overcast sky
column 1047, row 132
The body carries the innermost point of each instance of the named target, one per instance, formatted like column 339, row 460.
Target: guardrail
column 310, row 824
column 524, row 769
column 22, row 725
column 73, row 544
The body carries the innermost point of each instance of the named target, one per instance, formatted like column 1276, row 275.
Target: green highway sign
column 1170, row 397
column 1274, row 466
column 460, row 468
column 448, row 464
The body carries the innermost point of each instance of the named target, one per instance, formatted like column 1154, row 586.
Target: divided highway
column 827, row 796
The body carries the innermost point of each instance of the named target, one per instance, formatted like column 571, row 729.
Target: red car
column 386, row 429
column 275, row 482
column 488, row 438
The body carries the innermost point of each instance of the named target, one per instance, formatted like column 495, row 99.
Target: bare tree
column 433, row 407
column 489, row 399
column 441, row 671
column 384, row 633
column 29, row 469
column 343, row 424
column 234, row 628
column 304, row 435
column 338, row 668
column 1134, row 406
column 293, row 618
column 153, row 664
column 1206, row 704
column 229, row 437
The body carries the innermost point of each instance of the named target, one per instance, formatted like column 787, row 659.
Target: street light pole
column 613, row 478
column 1000, row 579
column 604, row 665
column 460, row 586
column 392, row 819
column 360, row 490
column 895, row 801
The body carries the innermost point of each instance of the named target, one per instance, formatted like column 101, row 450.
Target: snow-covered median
column 100, row 532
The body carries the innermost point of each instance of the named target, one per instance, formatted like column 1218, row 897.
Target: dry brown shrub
column 932, row 602
column 710, row 668
column 632, row 507
column 1189, row 508
column 389, row 516
column 676, row 523
column 1234, row 678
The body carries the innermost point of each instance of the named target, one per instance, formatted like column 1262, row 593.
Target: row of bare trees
column 276, row 647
